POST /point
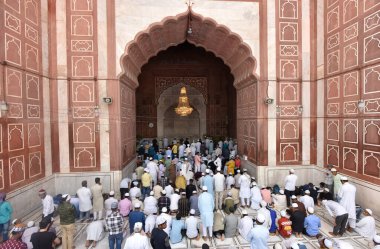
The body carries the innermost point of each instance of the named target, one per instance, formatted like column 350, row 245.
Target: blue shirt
column 258, row 237
column 273, row 216
column 136, row 216
column 312, row 224
column 6, row 211
column 175, row 232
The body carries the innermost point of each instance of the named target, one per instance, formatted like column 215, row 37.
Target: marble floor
column 233, row 243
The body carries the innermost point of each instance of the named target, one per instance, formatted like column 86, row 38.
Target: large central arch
column 211, row 36
column 206, row 33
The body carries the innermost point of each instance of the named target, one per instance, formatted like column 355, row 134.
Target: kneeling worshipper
column 176, row 232
column 279, row 200
column 137, row 240
column 245, row 224
column 15, row 242
column 336, row 244
column 164, row 214
column 298, row 218
column 366, row 226
column 218, row 227
column 284, row 225
column 95, row 232
column 192, row 226
column 30, row 229
column 228, row 203
column 312, row 223
column 230, row 224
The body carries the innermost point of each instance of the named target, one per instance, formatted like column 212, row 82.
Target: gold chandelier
column 183, row 109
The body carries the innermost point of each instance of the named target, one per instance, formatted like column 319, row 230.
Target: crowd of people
column 192, row 190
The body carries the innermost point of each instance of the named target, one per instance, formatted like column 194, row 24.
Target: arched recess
column 169, row 98
column 206, row 33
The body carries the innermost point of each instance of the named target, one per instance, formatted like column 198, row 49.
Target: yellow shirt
column 180, row 182
column 146, row 180
column 175, row 149
column 230, row 167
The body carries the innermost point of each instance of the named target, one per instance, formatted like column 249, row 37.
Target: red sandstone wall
column 82, row 85
column 246, row 122
column 289, row 83
column 22, row 129
column 352, row 72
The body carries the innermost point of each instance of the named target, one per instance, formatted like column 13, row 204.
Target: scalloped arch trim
column 207, row 33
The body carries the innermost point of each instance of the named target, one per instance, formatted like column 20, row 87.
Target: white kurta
column 245, row 225
column 245, row 182
column 268, row 220
column 174, row 201
column 237, row 177
column 135, row 192
column 150, row 223
column 206, row 207
column 366, row 227
column 84, row 195
column 229, row 181
column 137, row 241
column 279, row 201
column 168, row 219
column 191, row 224
column 95, row 230
column 347, row 194
column 150, row 205
column 153, row 170
column 256, row 198
column 308, row 201
column 169, row 190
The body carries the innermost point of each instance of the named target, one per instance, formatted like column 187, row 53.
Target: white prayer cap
column 324, row 202
column 307, row 191
column 294, row 197
column 137, row 205
column 135, row 183
column 67, row 197
column 294, row 246
column 244, row 212
column 150, row 158
column 207, row 171
column 277, row 246
column 218, row 169
column 263, row 186
column 283, row 213
column 291, row 171
column 263, row 203
column 126, row 194
column 176, row 190
column 333, row 169
column 151, row 193
column 245, row 170
column 229, row 194
column 163, row 192
column 138, row 225
column 310, row 210
column 238, row 170
column 327, row 190
column 295, row 205
column 328, row 243
column 164, row 210
column 203, row 173
column 230, row 174
column 112, row 192
column 146, row 170
column 30, row 223
column 194, row 191
column 281, row 191
column 369, row 211
column 260, row 218
column 343, row 178
column 204, row 188
column 376, row 239
column 183, row 193
column 160, row 220
column 253, row 178
column 192, row 211
column 254, row 184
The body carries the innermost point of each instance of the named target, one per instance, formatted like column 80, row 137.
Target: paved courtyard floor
column 233, row 243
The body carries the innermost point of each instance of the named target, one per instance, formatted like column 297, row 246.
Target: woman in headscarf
column 5, row 216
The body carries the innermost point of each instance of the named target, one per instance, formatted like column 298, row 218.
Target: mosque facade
column 296, row 83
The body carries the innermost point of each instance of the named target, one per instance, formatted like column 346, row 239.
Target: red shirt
column 285, row 227
column 237, row 163
column 13, row 244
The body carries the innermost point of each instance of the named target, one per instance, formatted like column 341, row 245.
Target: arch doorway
column 175, row 126
column 214, row 39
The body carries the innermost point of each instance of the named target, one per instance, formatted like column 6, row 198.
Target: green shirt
column 66, row 213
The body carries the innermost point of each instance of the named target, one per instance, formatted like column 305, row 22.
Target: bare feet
column 222, row 238
column 204, row 238
column 197, row 238
column 332, row 234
